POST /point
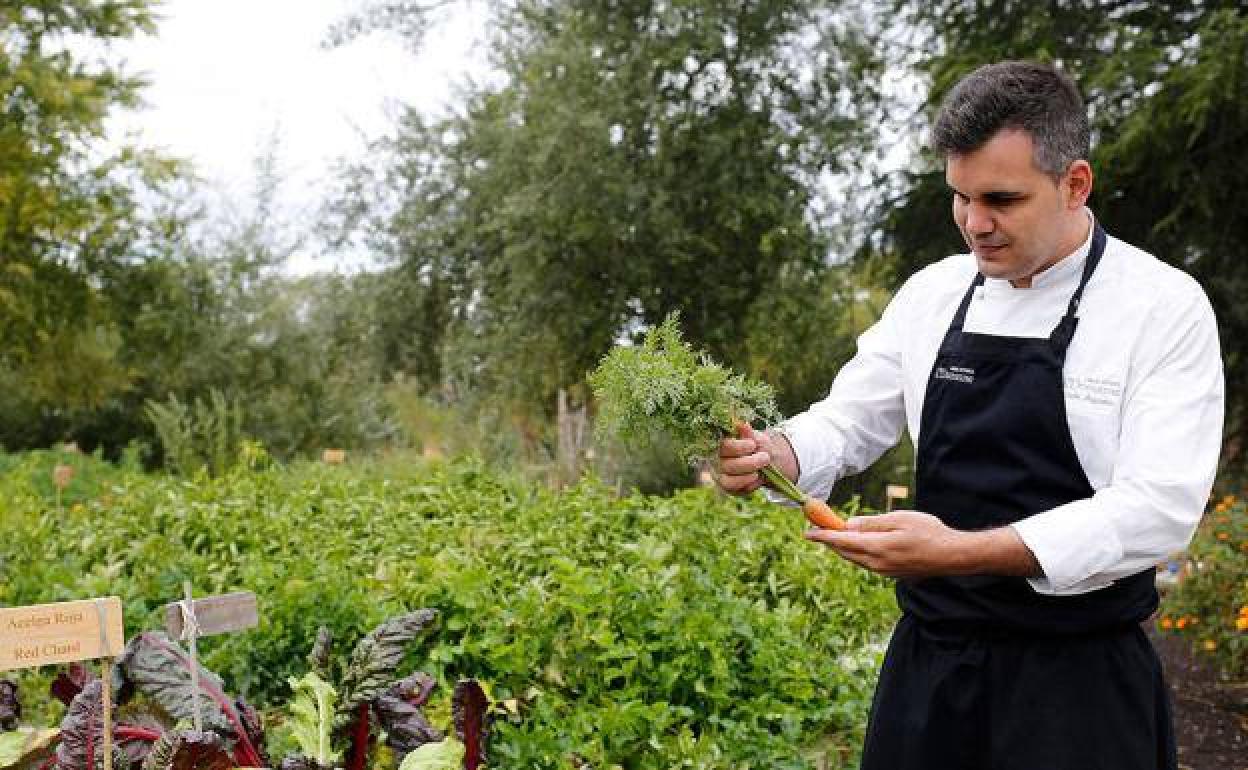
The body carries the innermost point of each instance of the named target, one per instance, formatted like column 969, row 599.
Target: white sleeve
column 1170, row 439
column 862, row 416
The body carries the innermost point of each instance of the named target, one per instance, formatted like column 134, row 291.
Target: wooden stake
column 106, row 690
column 190, row 632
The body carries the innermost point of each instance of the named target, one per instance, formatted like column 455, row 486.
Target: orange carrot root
column 821, row 514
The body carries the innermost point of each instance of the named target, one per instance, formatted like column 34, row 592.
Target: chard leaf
column 312, row 715
column 81, row 729
column 468, row 707
column 375, row 658
column 189, row 750
column 160, row 669
column 399, row 712
column 299, row 762
column 318, row 659
column 447, row 754
column 69, row 682
column 26, row 746
column 82, row 732
column 10, row 706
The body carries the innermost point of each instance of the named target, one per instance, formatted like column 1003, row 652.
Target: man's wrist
column 997, row 551
column 783, row 456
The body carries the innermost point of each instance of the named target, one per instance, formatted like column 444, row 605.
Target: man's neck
column 1077, row 228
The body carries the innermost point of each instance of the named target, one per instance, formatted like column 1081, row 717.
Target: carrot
column 821, row 514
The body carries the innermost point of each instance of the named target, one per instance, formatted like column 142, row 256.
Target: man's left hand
column 912, row 544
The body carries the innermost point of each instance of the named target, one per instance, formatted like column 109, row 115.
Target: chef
column 1064, row 393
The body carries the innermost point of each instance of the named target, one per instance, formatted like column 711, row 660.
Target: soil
column 1210, row 714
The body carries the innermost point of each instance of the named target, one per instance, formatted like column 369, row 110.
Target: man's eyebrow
column 993, row 195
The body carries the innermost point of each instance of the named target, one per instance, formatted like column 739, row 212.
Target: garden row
column 634, row 632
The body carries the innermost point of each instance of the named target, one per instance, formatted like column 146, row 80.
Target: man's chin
column 994, row 268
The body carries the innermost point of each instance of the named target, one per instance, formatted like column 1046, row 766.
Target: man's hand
column 741, row 459
column 911, row 544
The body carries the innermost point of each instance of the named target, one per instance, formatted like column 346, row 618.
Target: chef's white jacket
column 1144, row 401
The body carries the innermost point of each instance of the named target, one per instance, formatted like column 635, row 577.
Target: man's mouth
column 989, row 249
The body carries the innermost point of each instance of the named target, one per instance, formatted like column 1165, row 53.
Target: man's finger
column 881, row 522
column 737, row 447
column 742, row 466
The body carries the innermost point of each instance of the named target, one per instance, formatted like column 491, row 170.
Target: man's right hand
column 741, row 459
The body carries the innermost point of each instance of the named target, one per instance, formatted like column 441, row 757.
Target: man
column 1064, row 392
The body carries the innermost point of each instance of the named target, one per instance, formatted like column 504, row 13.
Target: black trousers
column 979, row 699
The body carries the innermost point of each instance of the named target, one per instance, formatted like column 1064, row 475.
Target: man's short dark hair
column 1031, row 96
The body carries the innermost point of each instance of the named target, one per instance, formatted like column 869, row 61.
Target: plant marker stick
column 190, row 630
column 106, row 690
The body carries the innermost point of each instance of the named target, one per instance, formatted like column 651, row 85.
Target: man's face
column 1015, row 217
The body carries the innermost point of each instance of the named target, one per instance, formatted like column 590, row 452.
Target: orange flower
column 1224, row 536
column 1181, row 623
column 1243, row 611
column 1167, row 623
column 1241, row 623
column 1210, row 645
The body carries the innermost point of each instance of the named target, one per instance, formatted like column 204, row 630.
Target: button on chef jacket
column 1143, row 387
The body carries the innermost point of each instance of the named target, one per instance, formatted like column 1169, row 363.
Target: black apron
column 982, row 672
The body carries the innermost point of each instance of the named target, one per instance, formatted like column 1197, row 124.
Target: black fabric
column 983, row 672
column 950, row 700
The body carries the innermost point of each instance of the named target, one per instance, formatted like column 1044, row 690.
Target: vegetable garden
column 605, row 631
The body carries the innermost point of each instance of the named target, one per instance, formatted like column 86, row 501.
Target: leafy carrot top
column 664, row 387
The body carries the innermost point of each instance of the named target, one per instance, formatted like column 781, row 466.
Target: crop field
column 607, row 631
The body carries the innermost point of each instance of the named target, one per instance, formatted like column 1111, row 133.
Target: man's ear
column 1077, row 184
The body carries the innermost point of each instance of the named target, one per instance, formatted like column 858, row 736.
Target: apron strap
column 1061, row 336
column 960, row 317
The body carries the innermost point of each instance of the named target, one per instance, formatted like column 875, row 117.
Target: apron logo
column 955, row 373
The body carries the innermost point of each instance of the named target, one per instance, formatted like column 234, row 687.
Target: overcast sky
column 229, row 76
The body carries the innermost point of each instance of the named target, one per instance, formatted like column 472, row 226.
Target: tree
column 69, row 222
column 640, row 158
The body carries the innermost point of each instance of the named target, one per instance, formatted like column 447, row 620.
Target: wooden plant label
column 897, row 492
column 215, row 614
column 62, row 475
column 44, row 634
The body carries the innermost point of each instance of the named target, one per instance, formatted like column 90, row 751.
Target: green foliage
column 644, row 632
column 447, row 754
column 312, row 717
column 205, row 435
column 1209, row 604
column 639, row 159
column 70, row 222
column 665, row 388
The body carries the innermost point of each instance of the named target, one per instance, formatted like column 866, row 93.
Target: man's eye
column 960, row 198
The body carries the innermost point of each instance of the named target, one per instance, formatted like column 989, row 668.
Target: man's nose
column 978, row 219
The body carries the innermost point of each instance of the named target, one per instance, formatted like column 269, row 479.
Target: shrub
column 1209, row 604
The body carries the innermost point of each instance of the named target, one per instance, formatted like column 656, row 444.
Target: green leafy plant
column 664, row 387
column 312, row 718
column 647, row 632
column 1209, row 603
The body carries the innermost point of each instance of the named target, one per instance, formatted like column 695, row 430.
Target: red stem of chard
column 359, row 738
